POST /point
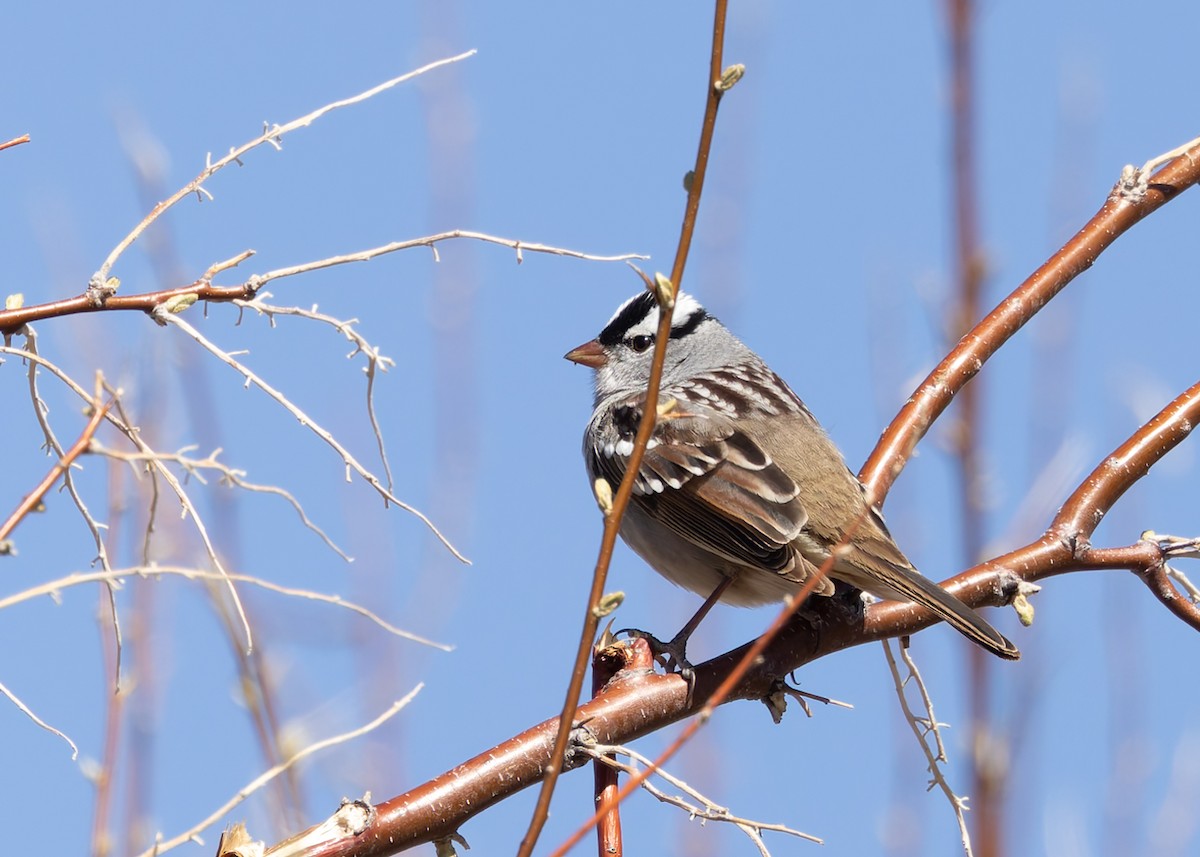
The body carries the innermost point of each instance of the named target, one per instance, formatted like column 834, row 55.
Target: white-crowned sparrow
column 741, row 494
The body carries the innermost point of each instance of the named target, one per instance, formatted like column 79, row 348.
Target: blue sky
column 823, row 241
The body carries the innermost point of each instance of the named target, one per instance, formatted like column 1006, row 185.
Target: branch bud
column 604, row 495
column 730, row 77
column 664, row 290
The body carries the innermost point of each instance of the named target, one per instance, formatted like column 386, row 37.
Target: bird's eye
column 640, row 342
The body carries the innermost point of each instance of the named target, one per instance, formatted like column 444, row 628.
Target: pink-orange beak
column 589, row 354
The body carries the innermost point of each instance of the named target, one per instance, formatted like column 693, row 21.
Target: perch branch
column 1119, row 213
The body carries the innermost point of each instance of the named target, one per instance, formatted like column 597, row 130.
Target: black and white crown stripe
column 638, row 316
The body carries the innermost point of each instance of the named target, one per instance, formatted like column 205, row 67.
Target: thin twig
column 122, row 424
column 195, row 467
column 41, row 411
column 431, row 241
column 375, row 360
column 116, row 577
column 15, row 141
column 271, row 134
column 34, row 497
column 262, row 779
column 708, row 811
column 932, row 758
column 203, row 289
column 28, row 712
column 351, row 463
column 613, row 518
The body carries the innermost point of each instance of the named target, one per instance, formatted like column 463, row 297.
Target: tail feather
column 957, row 615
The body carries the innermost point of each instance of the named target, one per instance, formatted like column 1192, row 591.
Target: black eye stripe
column 637, row 311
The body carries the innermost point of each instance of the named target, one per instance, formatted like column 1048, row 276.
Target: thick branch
column 637, row 702
column 1118, row 214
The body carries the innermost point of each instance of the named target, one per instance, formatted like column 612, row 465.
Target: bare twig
column 195, row 467
column 28, row 712
column 708, row 810
column 15, row 141
column 922, row 728
column 192, row 833
column 714, row 89
column 203, row 289
column 375, row 360
column 34, row 497
column 121, row 424
column 351, row 463
column 41, row 410
column 431, row 241
column 272, row 134
column 116, row 576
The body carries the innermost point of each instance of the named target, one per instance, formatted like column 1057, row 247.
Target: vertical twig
column 987, row 786
column 608, row 829
column 714, row 89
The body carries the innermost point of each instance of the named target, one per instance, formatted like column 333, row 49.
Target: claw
column 671, row 654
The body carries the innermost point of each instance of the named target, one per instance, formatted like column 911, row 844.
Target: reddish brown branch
column 15, row 141
column 608, row 660
column 34, row 497
column 12, row 320
column 1155, row 577
column 613, row 516
column 1129, row 462
column 1118, row 214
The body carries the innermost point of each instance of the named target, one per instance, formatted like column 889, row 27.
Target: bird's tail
column 914, row 586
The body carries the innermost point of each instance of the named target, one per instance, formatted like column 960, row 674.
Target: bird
column 741, row 495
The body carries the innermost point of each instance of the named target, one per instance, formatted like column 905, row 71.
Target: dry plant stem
column 351, row 463
column 77, row 449
column 195, row 467
column 1114, row 218
column 612, row 521
column 264, row 778
column 117, row 575
column 41, row 412
column 707, row 811
column 15, row 141
column 915, row 723
column 123, row 425
column 28, row 712
column 271, row 135
column 204, row 289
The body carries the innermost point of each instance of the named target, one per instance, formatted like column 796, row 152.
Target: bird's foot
column 671, row 654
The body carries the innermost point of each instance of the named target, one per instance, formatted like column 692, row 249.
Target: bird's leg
column 675, row 650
